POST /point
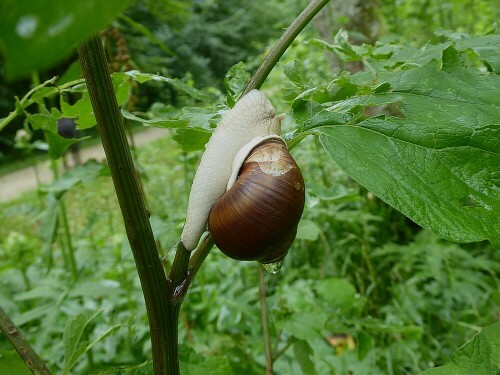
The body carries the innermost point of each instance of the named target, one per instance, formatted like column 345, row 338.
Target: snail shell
column 257, row 218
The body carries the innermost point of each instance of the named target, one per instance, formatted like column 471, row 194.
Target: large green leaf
column 36, row 34
column 439, row 164
column 480, row 356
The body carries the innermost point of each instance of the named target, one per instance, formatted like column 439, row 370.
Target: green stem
column 23, row 348
column 178, row 274
column 265, row 321
column 69, row 242
column 199, row 257
column 162, row 315
column 290, row 342
column 283, row 43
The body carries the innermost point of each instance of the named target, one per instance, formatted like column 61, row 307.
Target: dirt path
column 13, row 184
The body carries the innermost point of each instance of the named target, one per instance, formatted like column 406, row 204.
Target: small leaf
column 82, row 111
column 192, row 139
column 327, row 118
column 305, row 325
column 145, row 77
column 364, row 344
column 82, row 173
column 336, row 292
column 58, row 145
column 121, row 88
column 73, row 332
column 35, row 313
column 157, row 122
column 303, row 352
column 235, row 82
column 307, row 230
column 486, row 46
column 192, row 363
column 295, row 72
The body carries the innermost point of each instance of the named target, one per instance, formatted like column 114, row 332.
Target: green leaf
column 192, row 139
column 474, row 357
column 192, row 363
column 486, row 46
column 158, row 122
column 307, row 230
column 33, row 314
column 102, row 336
column 36, row 34
column 145, row 77
column 97, row 289
column 364, row 344
column 81, row 111
column 480, row 356
column 326, row 118
column 304, row 325
column 58, row 144
column 235, row 82
column 336, row 292
column 82, row 173
column 449, row 369
column 439, row 164
column 303, row 352
column 121, row 88
column 295, row 72
column 72, row 337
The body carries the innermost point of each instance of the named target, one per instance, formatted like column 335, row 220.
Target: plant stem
column 199, row 257
column 282, row 44
column 178, row 273
column 23, row 348
column 162, row 315
column 265, row 321
column 69, row 242
column 284, row 349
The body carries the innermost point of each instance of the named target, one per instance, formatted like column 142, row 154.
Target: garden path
column 13, row 184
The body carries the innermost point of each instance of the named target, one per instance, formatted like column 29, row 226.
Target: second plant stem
column 265, row 321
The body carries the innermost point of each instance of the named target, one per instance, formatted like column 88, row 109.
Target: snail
column 244, row 153
column 257, row 217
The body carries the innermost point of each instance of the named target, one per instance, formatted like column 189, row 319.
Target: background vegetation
column 364, row 289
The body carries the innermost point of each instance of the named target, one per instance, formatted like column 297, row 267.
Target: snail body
column 257, row 217
column 247, row 189
column 252, row 116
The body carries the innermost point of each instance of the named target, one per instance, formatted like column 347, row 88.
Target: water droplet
column 273, row 267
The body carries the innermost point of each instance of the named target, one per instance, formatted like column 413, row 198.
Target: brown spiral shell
column 257, row 218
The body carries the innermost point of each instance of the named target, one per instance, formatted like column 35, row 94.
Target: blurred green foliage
column 364, row 289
